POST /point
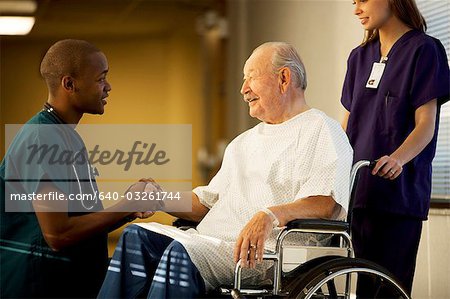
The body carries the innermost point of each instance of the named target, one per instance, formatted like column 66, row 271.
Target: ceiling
column 115, row 17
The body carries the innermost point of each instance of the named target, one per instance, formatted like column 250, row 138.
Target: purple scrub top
column 380, row 119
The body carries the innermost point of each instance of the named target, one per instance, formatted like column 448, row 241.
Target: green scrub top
column 29, row 267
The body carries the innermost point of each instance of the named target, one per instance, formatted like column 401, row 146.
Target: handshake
column 140, row 193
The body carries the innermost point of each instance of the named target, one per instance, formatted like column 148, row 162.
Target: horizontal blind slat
column 437, row 16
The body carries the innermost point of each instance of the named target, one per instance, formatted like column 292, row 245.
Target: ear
column 284, row 79
column 68, row 83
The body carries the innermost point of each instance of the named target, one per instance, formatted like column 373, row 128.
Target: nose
column 245, row 87
column 108, row 86
column 357, row 9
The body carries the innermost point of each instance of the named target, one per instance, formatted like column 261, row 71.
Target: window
column 437, row 15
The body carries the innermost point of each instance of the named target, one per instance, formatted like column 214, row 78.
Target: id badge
column 375, row 75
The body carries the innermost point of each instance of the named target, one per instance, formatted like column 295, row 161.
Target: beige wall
column 432, row 276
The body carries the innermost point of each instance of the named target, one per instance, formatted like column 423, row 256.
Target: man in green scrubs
column 57, row 249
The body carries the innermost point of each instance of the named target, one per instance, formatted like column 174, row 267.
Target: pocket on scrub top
column 395, row 116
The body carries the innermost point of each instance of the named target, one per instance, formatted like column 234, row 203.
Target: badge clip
column 376, row 73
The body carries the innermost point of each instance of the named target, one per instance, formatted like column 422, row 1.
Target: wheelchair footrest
column 249, row 291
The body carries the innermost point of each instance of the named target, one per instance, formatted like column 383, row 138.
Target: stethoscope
column 91, row 169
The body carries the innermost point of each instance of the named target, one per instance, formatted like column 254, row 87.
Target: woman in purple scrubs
column 396, row 81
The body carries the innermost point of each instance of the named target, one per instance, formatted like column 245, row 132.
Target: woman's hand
column 388, row 167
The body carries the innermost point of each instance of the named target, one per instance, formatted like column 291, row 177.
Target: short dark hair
column 65, row 57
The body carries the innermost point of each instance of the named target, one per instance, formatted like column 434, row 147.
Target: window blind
column 437, row 16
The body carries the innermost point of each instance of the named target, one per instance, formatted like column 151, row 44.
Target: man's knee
column 176, row 250
column 134, row 232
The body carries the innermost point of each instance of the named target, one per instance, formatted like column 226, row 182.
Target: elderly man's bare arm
column 251, row 240
column 311, row 207
column 198, row 209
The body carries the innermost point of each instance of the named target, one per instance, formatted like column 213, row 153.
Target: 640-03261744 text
column 59, row 196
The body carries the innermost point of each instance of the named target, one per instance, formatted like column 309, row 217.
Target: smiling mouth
column 249, row 100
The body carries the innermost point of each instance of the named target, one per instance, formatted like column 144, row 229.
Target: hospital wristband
column 275, row 221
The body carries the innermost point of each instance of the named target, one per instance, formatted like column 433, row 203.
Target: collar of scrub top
column 49, row 108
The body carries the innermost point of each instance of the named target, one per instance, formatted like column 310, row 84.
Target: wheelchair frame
column 331, row 268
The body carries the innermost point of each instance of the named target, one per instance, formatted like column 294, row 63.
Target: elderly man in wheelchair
column 295, row 164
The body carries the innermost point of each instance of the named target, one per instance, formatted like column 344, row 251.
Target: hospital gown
column 268, row 165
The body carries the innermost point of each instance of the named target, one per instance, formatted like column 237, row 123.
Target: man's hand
column 249, row 246
column 136, row 187
column 143, row 215
column 140, row 194
column 151, row 185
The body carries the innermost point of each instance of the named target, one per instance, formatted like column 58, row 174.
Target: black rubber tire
column 325, row 270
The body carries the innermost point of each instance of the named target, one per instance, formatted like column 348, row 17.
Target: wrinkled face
column 261, row 87
column 91, row 85
column 373, row 14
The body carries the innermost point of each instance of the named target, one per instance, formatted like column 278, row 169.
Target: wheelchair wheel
column 338, row 277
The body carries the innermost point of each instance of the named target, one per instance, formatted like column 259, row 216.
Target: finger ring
column 392, row 172
column 252, row 246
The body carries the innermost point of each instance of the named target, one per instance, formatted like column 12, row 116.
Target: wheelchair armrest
column 318, row 224
column 184, row 224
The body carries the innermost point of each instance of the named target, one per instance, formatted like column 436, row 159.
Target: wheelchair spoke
column 332, row 289
column 347, row 278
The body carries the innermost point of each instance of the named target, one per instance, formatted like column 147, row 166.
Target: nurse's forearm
column 420, row 137
column 60, row 230
column 345, row 120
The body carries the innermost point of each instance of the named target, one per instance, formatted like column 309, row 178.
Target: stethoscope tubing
column 81, row 190
column 49, row 109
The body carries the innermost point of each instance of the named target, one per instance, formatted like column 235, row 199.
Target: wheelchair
column 328, row 276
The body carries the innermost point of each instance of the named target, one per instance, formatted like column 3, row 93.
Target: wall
column 432, row 276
